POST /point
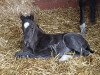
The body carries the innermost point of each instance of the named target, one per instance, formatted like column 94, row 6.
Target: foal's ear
column 32, row 17
column 22, row 17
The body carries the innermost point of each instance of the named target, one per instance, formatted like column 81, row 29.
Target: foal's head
column 27, row 22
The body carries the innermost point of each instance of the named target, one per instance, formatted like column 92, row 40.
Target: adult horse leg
column 82, row 16
column 92, row 11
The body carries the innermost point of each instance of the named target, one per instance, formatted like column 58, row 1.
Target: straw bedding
column 51, row 21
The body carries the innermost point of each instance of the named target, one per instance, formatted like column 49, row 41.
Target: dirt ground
column 51, row 21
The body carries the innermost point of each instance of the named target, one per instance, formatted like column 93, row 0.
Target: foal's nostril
column 26, row 44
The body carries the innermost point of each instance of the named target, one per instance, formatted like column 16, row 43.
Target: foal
column 39, row 44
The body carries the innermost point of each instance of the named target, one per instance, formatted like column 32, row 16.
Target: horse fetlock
column 83, row 28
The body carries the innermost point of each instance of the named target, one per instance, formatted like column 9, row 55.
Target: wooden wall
column 53, row 4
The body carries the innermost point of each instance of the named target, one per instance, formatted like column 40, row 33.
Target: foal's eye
column 32, row 29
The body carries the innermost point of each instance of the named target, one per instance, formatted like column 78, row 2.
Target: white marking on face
column 26, row 24
column 65, row 58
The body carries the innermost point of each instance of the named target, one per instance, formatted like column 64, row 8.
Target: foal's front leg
column 82, row 16
column 25, row 53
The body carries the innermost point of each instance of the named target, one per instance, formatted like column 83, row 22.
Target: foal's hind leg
column 82, row 16
column 62, row 51
column 77, row 43
column 64, row 55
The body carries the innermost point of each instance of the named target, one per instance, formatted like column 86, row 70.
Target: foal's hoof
column 65, row 58
column 21, row 54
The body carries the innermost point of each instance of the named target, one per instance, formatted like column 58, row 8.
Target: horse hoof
column 21, row 54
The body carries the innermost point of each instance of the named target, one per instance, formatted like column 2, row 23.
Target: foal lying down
column 38, row 44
